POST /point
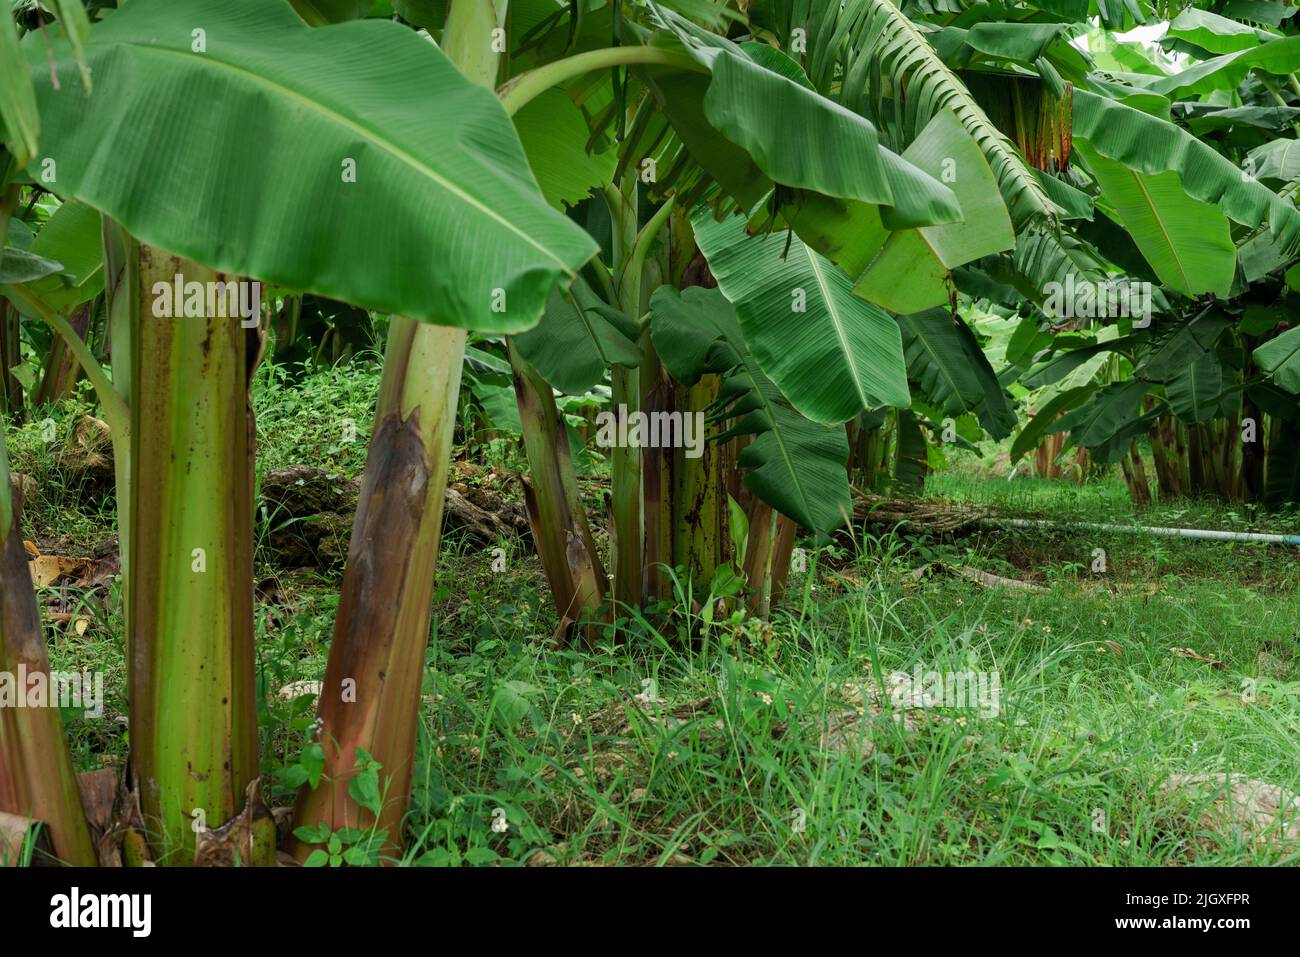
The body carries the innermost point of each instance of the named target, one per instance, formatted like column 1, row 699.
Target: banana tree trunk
column 1135, row 476
column 37, row 780
column 11, row 390
column 371, row 694
column 699, row 513
column 782, row 554
column 758, row 558
column 627, row 544
column 62, row 369
column 190, row 591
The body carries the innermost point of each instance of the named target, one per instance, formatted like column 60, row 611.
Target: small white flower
column 499, row 823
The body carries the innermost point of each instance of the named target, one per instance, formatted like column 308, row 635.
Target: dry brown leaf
column 47, row 569
column 1189, row 653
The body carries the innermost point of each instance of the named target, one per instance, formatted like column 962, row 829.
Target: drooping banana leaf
column 952, row 371
column 74, row 237
column 578, row 339
column 910, row 456
column 20, row 266
column 884, row 51
column 1188, row 243
column 19, row 120
column 1057, row 368
column 1194, row 394
column 830, row 353
column 1215, row 33
column 554, row 135
column 1175, row 348
column 1147, row 144
column 355, row 161
column 1109, row 411
column 1280, row 359
column 1038, row 425
column 1278, row 56
column 734, row 124
column 1276, row 160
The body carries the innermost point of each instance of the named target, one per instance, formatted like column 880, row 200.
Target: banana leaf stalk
column 626, row 531
column 189, row 596
column 561, row 534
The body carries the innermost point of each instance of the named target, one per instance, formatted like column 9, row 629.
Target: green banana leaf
column 1147, row 144
column 911, row 272
column 578, row 339
column 354, row 162
column 952, row 371
column 830, row 353
column 1187, row 242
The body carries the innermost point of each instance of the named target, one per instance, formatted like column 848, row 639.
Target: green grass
column 1095, row 710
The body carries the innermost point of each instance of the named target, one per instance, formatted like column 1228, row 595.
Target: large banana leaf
column 73, row 236
column 910, row 455
column 794, row 465
column 1037, row 426
column 1110, row 410
column 830, row 353
column 252, row 144
column 911, row 272
column 22, row 266
column 1194, row 395
column 1057, row 368
column 1147, row 144
column 1188, row 243
column 952, row 371
column 1214, row 33
column 554, row 135
column 735, row 123
column 886, row 48
column 1276, row 160
column 1278, row 56
column 1186, row 342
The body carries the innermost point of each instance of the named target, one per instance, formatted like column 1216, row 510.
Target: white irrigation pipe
column 1148, row 529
